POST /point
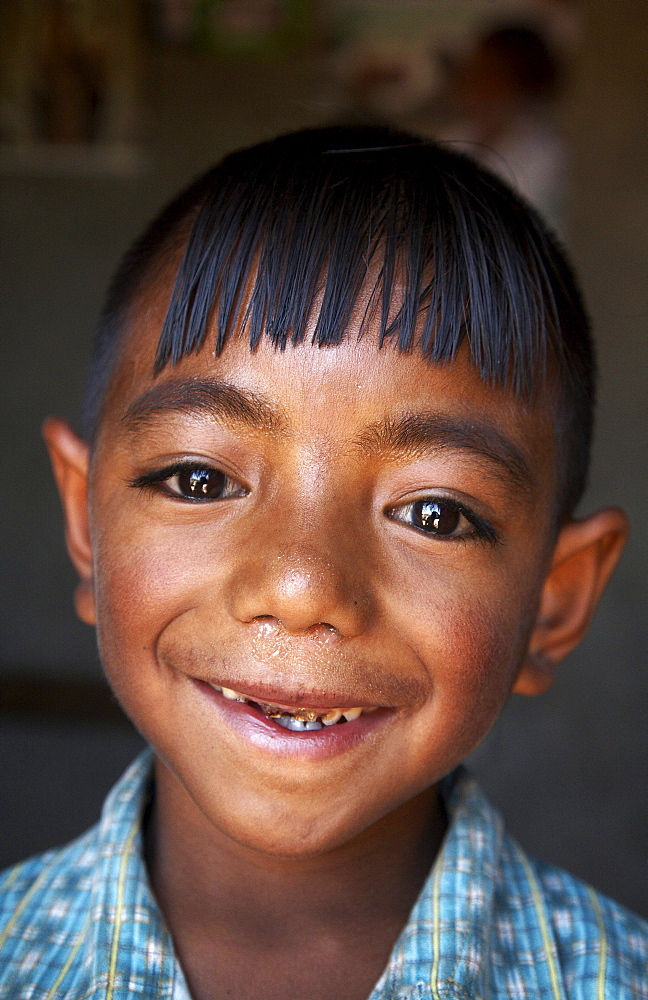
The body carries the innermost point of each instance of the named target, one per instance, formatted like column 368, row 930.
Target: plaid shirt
column 81, row 923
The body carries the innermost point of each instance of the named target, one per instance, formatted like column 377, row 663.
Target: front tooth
column 232, row 695
column 351, row 714
column 305, row 715
column 331, row 717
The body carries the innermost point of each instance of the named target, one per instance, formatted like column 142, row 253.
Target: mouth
column 299, row 719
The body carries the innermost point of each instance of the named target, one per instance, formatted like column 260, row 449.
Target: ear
column 583, row 561
column 70, row 458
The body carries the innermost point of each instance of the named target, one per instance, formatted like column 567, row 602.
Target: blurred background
column 105, row 111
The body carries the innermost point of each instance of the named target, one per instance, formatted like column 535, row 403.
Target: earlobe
column 584, row 558
column 69, row 456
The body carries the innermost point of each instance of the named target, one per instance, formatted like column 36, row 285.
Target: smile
column 300, row 719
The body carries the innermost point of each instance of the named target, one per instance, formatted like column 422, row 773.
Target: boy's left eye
column 442, row 519
column 191, row 482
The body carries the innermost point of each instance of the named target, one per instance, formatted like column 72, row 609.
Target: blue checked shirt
column 81, row 923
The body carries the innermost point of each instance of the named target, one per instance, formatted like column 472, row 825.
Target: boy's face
column 320, row 528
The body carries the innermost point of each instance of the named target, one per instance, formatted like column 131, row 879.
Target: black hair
column 451, row 253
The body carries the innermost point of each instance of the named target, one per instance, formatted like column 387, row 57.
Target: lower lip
column 318, row 744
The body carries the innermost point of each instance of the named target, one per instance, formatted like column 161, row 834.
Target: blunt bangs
column 320, row 213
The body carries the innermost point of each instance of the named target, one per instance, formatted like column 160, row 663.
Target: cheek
column 147, row 578
column 481, row 648
column 471, row 651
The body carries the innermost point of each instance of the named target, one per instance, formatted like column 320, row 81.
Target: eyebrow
column 418, row 433
column 217, row 399
column 410, row 433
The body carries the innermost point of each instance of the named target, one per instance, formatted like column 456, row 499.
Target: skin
column 310, row 578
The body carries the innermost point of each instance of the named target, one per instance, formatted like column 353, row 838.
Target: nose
column 302, row 588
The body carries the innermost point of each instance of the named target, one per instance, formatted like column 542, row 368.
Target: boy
column 338, row 420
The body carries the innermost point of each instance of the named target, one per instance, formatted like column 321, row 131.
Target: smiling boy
column 338, row 420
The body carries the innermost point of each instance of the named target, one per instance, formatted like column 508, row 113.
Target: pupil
column 436, row 517
column 201, row 483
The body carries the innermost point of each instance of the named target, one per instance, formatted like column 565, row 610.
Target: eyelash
column 158, row 481
column 479, row 528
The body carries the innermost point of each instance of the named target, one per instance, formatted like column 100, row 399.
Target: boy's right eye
column 191, row 481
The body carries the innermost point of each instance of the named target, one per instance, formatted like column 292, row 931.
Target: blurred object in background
column 233, row 27
column 174, row 20
column 486, row 74
column 382, row 58
column 503, row 93
column 69, row 83
column 383, row 82
column 72, row 72
column 559, row 21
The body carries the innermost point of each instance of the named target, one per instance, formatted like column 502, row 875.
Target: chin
column 282, row 832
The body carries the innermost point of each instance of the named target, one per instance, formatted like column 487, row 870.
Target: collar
column 443, row 950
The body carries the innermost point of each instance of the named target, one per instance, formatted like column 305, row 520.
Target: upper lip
column 291, row 700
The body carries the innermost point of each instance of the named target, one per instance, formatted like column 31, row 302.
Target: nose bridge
column 306, row 571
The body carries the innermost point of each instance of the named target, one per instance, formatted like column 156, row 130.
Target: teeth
column 302, row 719
column 305, row 715
column 297, row 725
column 232, row 695
column 331, row 717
